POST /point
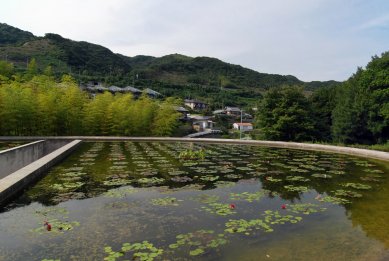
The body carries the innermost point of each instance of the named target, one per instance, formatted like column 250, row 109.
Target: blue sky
column 311, row 39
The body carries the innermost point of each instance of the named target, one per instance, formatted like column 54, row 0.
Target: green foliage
column 285, row 114
column 190, row 154
column 362, row 102
column 144, row 251
column 12, row 35
column 6, row 69
column 42, row 106
column 200, row 240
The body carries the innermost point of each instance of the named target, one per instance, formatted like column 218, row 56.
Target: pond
column 143, row 201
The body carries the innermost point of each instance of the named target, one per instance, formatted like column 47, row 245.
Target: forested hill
column 86, row 61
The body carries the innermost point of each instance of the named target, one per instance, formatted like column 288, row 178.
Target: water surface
column 139, row 201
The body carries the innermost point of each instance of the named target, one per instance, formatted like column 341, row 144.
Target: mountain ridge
column 173, row 74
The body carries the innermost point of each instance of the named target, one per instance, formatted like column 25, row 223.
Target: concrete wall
column 16, row 182
column 18, row 157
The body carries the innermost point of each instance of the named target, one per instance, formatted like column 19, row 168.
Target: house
column 233, row 111
column 243, row 126
column 195, row 105
column 183, row 111
column 202, row 123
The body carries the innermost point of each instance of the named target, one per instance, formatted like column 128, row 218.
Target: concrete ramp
column 23, row 165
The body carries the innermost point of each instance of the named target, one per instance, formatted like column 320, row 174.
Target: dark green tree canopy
column 284, row 114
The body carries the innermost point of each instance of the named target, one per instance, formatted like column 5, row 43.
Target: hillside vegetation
column 201, row 77
column 355, row 112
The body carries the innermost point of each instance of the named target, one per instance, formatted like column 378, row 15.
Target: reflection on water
column 139, row 201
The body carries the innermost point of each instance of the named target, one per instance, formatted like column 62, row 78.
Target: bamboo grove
column 43, row 106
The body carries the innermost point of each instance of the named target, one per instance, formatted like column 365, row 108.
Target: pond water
column 140, row 201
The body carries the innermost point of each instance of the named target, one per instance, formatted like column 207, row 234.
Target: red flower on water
column 283, row 206
column 232, row 206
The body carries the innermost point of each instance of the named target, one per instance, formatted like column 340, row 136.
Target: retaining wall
column 18, row 157
column 17, row 181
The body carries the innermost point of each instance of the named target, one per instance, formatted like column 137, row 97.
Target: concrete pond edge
column 14, row 183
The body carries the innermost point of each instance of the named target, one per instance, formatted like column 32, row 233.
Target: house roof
column 114, row 88
column 200, row 117
column 218, row 112
column 131, row 89
column 152, row 92
column 193, row 101
column 243, row 124
column 180, row 109
column 232, row 109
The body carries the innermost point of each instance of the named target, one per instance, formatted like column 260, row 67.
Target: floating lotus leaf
column 297, row 178
column 67, row 186
column 292, row 188
column 144, row 251
column 233, row 176
column 120, row 192
column 271, row 179
column 181, row 179
column 246, row 196
column 220, row 209
column 312, row 167
column 322, row 176
column 370, row 178
column 357, row 186
column 373, row 170
column 150, row 181
column 299, row 170
column 177, row 172
column 346, row 193
column 224, row 184
column 337, row 172
column 168, row 201
column 202, row 240
column 335, row 200
column 244, row 168
column 209, row 178
column 57, row 226
column 117, row 182
column 305, row 209
column 364, row 164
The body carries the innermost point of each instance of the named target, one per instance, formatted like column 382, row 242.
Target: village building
column 233, row 111
column 202, row 123
column 195, row 104
column 243, row 126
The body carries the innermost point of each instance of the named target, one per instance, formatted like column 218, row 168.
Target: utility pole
column 241, row 121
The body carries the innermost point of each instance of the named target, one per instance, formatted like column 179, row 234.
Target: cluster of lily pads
column 143, row 251
column 55, row 217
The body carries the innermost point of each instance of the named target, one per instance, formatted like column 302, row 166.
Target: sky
column 310, row 39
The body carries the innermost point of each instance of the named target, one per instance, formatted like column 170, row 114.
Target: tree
column 361, row 111
column 166, row 118
column 285, row 114
column 323, row 103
